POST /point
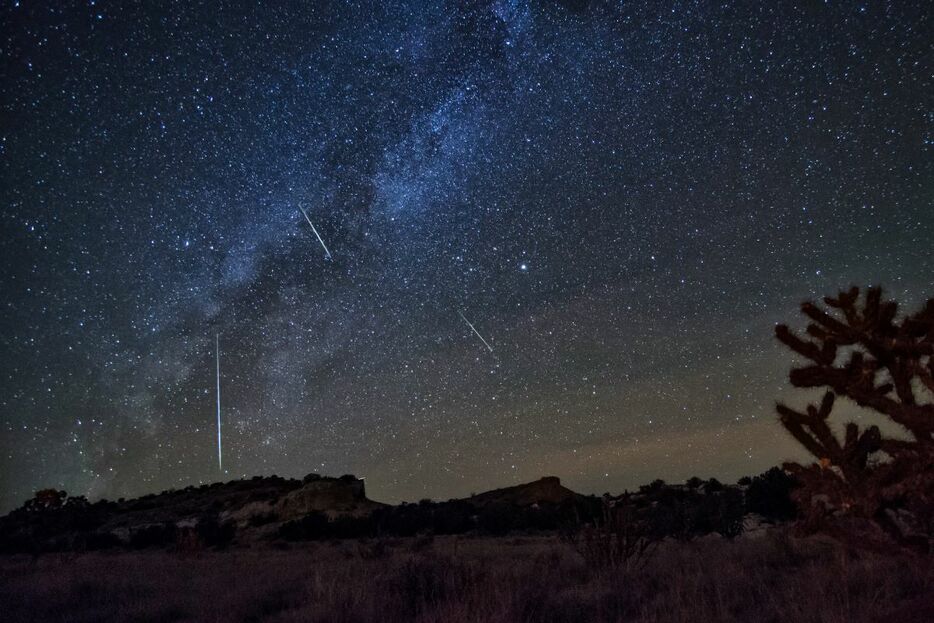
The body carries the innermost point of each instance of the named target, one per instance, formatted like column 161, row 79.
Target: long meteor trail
column 217, row 346
column 317, row 235
column 472, row 328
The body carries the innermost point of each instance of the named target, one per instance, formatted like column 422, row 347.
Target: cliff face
column 333, row 497
column 262, row 508
column 249, row 509
column 343, row 496
column 547, row 490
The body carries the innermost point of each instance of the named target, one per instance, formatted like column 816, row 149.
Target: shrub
column 45, row 500
column 653, row 487
column 312, row 526
column 498, row 519
column 622, row 539
column 713, row 485
column 769, row 495
column 213, row 533
column 154, row 535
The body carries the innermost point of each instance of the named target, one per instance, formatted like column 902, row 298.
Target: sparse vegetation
column 769, row 495
column 457, row 579
column 248, row 511
column 318, row 550
column 620, row 539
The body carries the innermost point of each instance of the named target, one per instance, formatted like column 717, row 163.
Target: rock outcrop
column 335, row 497
column 547, row 490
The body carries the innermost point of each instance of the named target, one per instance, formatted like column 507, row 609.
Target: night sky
column 623, row 201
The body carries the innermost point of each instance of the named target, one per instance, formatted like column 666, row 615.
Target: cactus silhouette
column 859, row 350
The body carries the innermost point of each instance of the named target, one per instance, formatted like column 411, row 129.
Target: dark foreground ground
column 451, row 580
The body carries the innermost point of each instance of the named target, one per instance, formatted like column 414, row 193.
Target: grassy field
column 455, row 580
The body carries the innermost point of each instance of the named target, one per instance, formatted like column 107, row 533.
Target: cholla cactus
column 863, row 353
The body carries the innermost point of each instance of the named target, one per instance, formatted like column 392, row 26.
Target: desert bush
column 722, row 513
column 677, row 516
column 101, row 540
column 154, row 535
column 866, row 489
column 45, row 500
column 426, row 581
column 498, row 519
column 655, row 486
column 188, row 542
column 455, row 517
column 214, row 533
column 371, row 550
column 262, row 519
column 621, row 539
column 423, row 542
column 531, row 579
column 769, row 495
column 347, row 527
column 312, row 526
column 713, row 485
column 406, row 519
column 316, row 526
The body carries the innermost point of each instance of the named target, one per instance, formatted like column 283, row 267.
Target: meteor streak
column 472, row 328
column 217, row 346
column 316, row 231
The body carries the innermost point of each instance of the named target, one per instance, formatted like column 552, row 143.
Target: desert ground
column 775, row 577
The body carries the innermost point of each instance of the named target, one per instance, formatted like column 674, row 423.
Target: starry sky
column 622, row 199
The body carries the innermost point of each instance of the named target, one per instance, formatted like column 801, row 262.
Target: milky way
column 622, row 200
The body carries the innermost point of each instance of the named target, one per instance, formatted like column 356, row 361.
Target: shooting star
column 217, row 346
column 472, row 328
column 316, row 231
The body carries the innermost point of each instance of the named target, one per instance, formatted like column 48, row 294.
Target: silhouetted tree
column 44, row 500
column 861, row 352
column 769, row 495
column 653, row 487
column 713, row 485
column 724, row 512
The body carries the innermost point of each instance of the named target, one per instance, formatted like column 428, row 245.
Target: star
column 606, row 192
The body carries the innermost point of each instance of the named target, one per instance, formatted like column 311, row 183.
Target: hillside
column 269, row 509
column 216, row 514
column 547, row 490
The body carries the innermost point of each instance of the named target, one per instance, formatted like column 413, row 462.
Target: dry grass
column 454, row 580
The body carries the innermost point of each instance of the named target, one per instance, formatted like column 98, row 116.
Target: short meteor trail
column 472, row 328
column 316, row 231
column 217, row 346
